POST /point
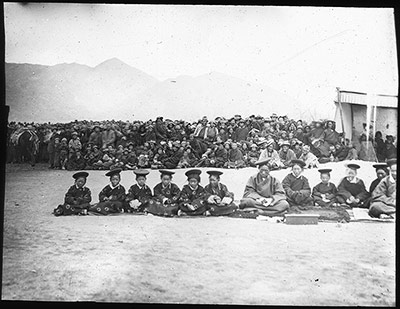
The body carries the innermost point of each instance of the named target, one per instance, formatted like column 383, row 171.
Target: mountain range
column 115, row 90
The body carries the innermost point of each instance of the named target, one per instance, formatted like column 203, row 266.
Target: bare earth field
column 137, row 258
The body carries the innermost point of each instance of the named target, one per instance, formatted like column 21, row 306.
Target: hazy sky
column 303, row 51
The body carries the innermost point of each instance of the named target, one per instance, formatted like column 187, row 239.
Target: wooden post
column 341, row 110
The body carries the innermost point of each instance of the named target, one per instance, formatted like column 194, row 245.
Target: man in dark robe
column 296, row 186
column 330, row 135
column 264, row 193
column 221, row 154
column 160, row 130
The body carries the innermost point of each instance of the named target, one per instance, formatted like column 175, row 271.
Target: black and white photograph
column 200, row 154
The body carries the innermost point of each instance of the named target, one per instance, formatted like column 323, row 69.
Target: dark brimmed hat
column 166, row 172
column 194, row 173
column 141, row 172
column 380, row 166
column 325, row 170
column 80, row 174
column 294, row 162
column 391, row 162
column 114, row 172
column 353, row 166
column 214, row 173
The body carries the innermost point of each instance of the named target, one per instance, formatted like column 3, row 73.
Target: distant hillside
column 66, row 92
column 115, row 90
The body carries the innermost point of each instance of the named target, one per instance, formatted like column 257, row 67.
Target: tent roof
column 380, row 100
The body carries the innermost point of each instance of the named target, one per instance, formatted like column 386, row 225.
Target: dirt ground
column 137, row 258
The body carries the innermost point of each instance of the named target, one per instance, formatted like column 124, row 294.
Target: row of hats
column 143, row 172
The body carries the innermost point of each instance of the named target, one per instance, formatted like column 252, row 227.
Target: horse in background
column 26, row 143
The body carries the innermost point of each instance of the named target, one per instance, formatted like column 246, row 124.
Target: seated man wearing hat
column 218, row 199
column 286, row 154
column 270, row 154
column 324, row 193
column 296, row 186
column 112, row 196
column 382, row 171
column 166, row 196
column 351, row 190
column 191, row 201
column 383, row 200
column 139, row 195
column 77, row 199
column 264, row 193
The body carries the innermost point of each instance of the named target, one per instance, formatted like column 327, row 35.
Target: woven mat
column 335, row 214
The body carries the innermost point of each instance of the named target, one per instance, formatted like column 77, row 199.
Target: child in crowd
column 63, row 153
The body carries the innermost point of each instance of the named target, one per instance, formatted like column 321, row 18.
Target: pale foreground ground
column 132, row 258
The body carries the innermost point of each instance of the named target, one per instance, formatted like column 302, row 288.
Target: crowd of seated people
column 165, row 143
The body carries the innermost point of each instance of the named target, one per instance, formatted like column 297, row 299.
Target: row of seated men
column 263, row 194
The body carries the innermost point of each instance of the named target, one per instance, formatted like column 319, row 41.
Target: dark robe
column 347, row 189
column 76, row 199
column 373, row 185
column 331, row 136
column 221, row 157
column 192, row 197
column 114, row 205
column 165, row 200
column 297, row 190
column 330, row 192
column 219, row 209
column 143, row 194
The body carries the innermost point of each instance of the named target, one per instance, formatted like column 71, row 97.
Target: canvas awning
column 380, row 100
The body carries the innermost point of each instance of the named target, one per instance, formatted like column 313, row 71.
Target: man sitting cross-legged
column 264, row 192
column 383, row 201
